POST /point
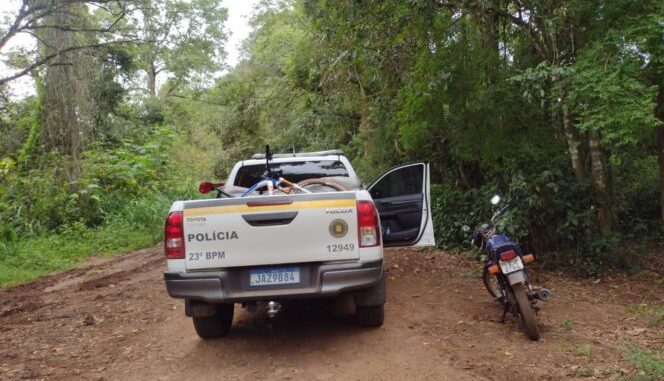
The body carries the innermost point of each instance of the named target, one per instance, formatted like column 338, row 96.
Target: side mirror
column 495, row 200
column 207, row 187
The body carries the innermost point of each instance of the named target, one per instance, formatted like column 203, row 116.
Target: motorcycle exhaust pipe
column 542, row 294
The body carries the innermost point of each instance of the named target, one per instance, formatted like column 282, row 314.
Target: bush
column 119, row 203
column 41, row 200
column 551, row 215
column 138, row 224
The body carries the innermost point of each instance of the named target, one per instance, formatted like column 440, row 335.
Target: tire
column 318, row 183
column 491, row 283
column 217, row 325
column 370, row 316
column 526, row 311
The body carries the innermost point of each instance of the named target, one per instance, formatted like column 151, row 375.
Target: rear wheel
column 526, row 311
column 491, row 283
column 217, row 325
column 370, row 316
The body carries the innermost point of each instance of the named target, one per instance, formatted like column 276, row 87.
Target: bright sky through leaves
column 237, row 25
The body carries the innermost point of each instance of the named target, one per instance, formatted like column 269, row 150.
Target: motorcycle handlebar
column 499, row 213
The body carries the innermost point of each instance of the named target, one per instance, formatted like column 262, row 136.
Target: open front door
column 402, row 198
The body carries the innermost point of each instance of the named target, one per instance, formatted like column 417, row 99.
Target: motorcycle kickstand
column 503, row 319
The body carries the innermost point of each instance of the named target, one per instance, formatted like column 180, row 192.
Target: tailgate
column 264, row 230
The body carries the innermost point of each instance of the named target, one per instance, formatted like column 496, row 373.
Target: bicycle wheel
column 318, row 186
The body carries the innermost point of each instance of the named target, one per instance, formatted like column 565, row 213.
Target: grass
column 24, row 261
column 568, row 323
column 584, row 372
column 139, row 224
column 585, row 350
column 650, row 363
column 472, row 273
column 654, row 313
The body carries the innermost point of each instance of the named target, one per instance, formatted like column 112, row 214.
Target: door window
column 401, row 182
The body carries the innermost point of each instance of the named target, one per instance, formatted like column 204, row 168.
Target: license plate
column 511, row 266
column 268, row 277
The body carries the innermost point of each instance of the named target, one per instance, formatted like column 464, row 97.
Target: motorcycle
column 504, row 275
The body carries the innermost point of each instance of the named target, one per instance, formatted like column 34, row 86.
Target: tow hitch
column 273, row 308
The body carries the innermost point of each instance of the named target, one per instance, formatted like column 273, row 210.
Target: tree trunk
column 660, row 150
column 152, row 76
column 150, row 54
column 600, row 178
column 660, row 153
column 570, row 135
column 60, row 111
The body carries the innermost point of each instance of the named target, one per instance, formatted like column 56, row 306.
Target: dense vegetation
column 556, row 105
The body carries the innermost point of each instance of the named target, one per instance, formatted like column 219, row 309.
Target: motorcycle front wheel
column 491, row 283
column 526, row 311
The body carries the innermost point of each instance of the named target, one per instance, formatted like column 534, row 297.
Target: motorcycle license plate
column 511, row 266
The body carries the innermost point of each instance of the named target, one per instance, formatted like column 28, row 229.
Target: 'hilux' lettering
column 214, row 236
column 338, row 210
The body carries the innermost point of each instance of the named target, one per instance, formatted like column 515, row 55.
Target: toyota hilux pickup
column 251, row 245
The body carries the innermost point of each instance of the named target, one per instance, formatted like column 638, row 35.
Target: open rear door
column 402, row 198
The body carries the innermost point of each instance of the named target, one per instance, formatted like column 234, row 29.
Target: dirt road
column 112, row 320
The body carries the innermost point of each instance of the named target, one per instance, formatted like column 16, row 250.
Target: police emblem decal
column 338, row 228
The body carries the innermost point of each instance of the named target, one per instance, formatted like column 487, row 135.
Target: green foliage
column 137, row 224
column 390, row 82
column 546, row 212
column 41, row 200
column 646, row 360
column 609, row 97
column 585, row 350
column 101, row 179
column 453, row 209
column 184, row 38
column 118, row 204
column 496, row 105
column 133, row 167
column 653, row 313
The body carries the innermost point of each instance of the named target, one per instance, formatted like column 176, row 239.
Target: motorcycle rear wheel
column 526, row 311
column 491, row 283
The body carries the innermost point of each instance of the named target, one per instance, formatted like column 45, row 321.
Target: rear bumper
column 232, row 285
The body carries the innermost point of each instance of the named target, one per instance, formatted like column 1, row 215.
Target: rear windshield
column 294, row 172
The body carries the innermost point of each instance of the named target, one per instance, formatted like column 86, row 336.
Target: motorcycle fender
column 516, row 277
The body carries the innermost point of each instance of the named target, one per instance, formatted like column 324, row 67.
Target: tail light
column 508, row 255
column 367, row 224
column 174, row 236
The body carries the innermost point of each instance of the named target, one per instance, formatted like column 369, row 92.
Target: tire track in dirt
column 112, row 320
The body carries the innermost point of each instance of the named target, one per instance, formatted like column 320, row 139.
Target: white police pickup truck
column 267, row 246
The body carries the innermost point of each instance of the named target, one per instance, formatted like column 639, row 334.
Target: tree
column 35, row 17
column 185, row 39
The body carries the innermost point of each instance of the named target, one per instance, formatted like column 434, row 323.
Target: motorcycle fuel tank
column 495, row 241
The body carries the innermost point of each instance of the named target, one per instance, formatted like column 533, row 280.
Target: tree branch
column 46, row 59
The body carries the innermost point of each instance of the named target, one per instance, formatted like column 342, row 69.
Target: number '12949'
column 340, row 247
